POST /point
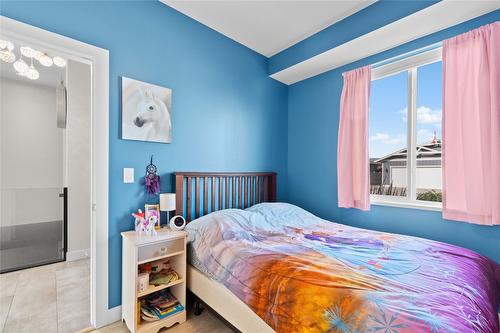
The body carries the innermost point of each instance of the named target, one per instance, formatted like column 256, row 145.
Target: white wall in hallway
column 31, row 162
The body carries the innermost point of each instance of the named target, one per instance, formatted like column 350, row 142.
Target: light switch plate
column 128, row 175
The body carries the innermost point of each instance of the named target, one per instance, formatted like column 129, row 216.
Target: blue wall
column 227, row 114
column 313, row 115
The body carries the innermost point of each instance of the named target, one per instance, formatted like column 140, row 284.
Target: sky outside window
column 388, row 114
column 388, row 110
column 429, row 96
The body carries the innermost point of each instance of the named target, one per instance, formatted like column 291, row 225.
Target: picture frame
column 153, row 211
column 146, row 111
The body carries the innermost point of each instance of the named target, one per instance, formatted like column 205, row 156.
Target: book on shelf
column 159, row 305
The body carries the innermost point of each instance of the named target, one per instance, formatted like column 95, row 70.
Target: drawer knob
column 163, row 250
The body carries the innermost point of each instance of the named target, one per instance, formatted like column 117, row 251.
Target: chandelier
column 26, row 67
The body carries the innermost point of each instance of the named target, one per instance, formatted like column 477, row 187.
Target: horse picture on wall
column 146, row 111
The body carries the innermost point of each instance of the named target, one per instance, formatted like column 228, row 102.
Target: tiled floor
column 207, row 322
column 51, row 298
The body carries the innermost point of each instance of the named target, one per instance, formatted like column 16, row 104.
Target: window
column 405, row 132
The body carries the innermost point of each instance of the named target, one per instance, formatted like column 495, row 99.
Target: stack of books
column 159, row 305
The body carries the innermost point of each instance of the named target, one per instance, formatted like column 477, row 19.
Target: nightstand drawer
column 160, row 249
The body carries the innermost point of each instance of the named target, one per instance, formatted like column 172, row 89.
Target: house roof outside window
column 432, row 149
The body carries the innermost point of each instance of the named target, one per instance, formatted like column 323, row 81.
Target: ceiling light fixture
column 21, row 66
column 7, row 56
column 45, row 60
column 6, row 53
column 5, row 44
column 59, row 62
column 32, row 72
column 28, row 52
column 38, row 54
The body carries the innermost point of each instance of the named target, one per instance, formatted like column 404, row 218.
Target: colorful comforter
column 300, row 273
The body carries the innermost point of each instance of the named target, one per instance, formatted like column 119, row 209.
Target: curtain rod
column 406, row 55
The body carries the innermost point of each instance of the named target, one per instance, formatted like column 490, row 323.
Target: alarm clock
column 177, row 223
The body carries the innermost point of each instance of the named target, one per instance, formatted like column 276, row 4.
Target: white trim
column 411, row 163
column 99, row 60
column 437, row 17
column 77, row 255
column 404, row 202
column 402, row 65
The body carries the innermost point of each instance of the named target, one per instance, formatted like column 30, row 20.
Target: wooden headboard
column 200, row 193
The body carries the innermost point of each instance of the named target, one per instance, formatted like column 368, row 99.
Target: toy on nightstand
column 153, row 219
column 145, row 225
column 139, row 220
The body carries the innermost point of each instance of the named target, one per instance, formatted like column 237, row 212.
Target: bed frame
column 200, row 193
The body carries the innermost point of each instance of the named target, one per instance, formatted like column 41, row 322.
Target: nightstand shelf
column 140, row 249
column 152, row 289
column 160, row 257
column 154, row 326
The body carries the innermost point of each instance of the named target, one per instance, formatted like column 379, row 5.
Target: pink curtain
column 353, row 169
column 471, row 126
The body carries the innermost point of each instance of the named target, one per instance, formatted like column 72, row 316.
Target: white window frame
column 409, row 65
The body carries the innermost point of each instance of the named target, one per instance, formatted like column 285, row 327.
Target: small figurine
column 152, row 221
column 145, row 225
column 139, row 220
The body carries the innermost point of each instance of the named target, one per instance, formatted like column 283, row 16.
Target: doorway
column 33, row 195
column 98, row 58
column 45, row 157
column 45, row 187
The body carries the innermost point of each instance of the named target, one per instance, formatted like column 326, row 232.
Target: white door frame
column 99, row 61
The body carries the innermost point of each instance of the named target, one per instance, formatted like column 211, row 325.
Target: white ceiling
column 268, row 27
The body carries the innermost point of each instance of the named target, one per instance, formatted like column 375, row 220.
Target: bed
column 267, row 266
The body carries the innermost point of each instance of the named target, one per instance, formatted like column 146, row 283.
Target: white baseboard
column 110, row 316
column 77, row 254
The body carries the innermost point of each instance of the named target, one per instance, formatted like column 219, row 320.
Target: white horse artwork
column 146, row 111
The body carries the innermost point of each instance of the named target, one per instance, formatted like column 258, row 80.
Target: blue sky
column 388, row 113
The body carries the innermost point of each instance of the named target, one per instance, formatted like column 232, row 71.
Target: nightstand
column 140, row 249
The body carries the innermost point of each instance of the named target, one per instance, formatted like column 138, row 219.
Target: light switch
column 128, row 175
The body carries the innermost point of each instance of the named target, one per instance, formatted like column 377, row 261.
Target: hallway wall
column 31, row 158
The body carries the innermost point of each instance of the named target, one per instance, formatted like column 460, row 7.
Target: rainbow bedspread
column 300, row 273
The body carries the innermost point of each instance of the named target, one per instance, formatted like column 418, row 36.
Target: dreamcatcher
column 151, row 179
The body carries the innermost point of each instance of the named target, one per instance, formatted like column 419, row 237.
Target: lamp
column 167, row 203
